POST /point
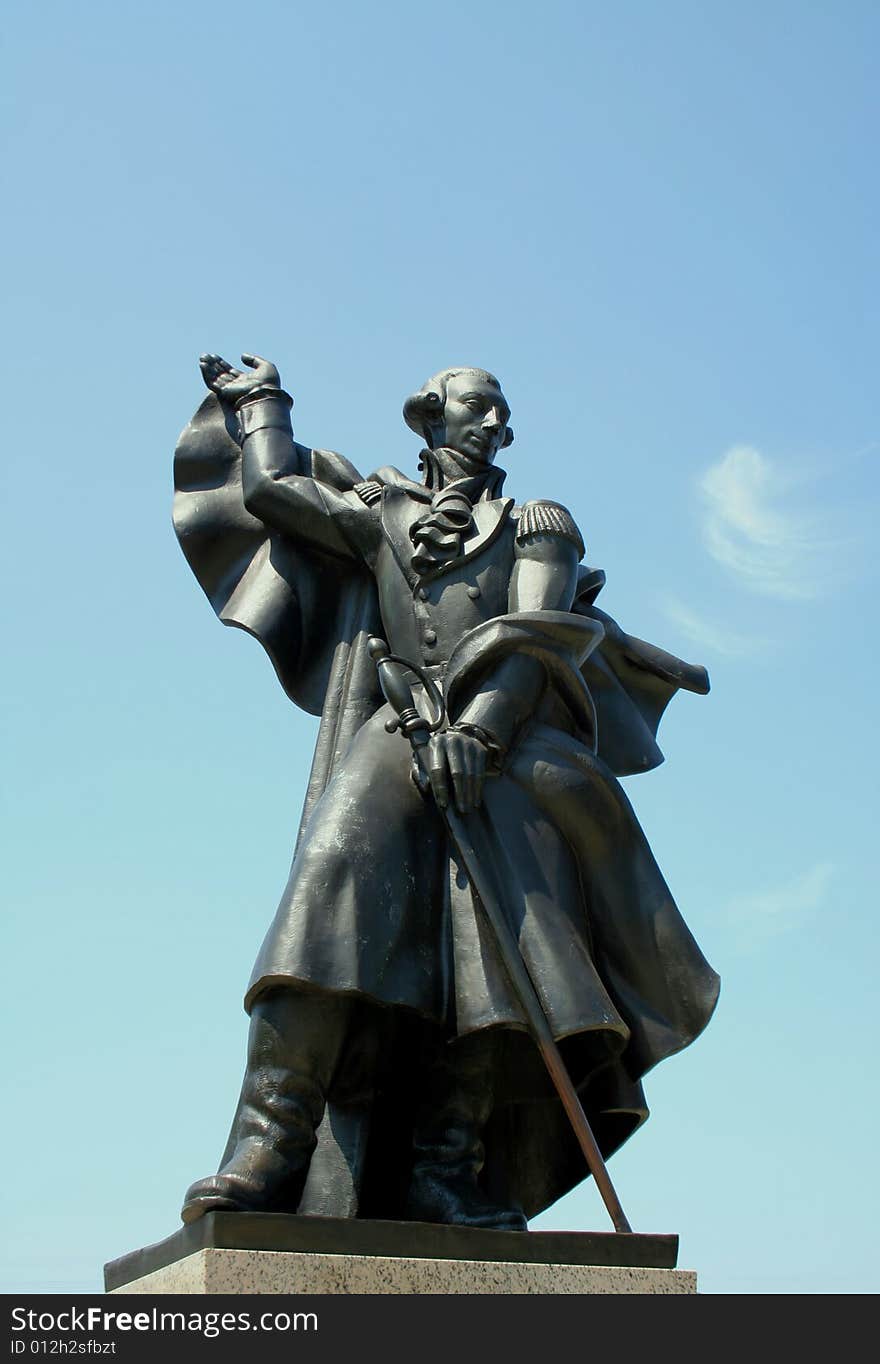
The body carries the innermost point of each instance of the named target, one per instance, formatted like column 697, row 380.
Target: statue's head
column 462, row 409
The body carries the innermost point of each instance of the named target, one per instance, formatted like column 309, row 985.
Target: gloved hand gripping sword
column 465, row 836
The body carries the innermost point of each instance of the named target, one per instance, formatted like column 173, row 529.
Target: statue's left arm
column 548, row 549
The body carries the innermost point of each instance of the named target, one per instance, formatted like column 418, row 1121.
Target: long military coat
column 376, row 905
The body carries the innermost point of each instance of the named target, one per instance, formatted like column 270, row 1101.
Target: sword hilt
column 397, row 691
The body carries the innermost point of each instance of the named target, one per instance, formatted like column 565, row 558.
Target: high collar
column 479, row 479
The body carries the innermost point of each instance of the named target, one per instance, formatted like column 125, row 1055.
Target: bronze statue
column 392, row 1066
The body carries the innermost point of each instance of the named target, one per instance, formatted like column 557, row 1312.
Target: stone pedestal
column 274, row 1253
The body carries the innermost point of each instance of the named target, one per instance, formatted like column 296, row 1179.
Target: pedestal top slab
column 411, row 1240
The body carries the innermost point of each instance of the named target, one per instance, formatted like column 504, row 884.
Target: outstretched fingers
column 232, row 384
column 264, row 371
column 215, row 364
column 216, row 371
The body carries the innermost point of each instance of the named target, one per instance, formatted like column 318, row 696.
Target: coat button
column 430, row 637
column 473, row 593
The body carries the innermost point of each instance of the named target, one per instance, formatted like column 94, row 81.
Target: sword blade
column 465, row 836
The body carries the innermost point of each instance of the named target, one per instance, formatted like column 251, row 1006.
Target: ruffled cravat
column 438, row 535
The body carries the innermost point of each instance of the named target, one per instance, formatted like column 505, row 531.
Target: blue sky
column 658, row 225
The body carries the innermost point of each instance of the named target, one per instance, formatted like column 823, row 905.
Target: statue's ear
column 508, row 438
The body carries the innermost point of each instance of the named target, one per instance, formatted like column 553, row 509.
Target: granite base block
column 272, row 1271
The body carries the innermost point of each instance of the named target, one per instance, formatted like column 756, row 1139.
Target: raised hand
column 231, row 385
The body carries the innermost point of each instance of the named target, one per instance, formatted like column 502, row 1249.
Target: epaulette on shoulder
column 549, row 518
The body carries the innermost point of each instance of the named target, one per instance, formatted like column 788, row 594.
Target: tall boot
column 293, row 1049
column 448, row 1141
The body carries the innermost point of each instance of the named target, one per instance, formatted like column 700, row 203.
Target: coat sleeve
column 287, row 497
column 547, row 548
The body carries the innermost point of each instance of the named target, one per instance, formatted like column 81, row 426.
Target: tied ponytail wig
column 423, row 411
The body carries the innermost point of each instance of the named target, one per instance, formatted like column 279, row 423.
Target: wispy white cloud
column 751, row 529
column 711, row 635
column 766, row 913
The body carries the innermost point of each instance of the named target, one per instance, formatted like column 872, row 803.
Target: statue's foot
column 251, row 1182
column 223, row 1193
column 435, row 1198
column 212, row 1195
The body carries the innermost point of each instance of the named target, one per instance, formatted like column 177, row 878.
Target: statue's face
column 475, row 416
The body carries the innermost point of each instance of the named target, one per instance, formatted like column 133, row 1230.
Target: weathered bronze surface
column 393, row 1070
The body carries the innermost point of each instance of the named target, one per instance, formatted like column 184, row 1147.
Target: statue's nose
column 492, row 420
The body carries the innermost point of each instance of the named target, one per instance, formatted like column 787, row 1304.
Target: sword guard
column 397, row 691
